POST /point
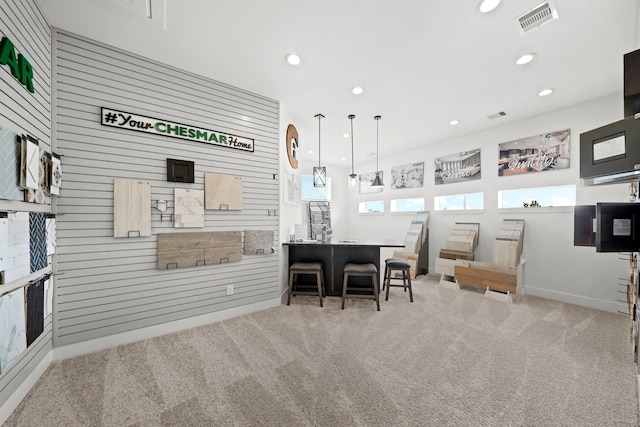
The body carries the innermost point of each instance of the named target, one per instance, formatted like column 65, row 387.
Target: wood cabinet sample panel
column 223, row 192
column 180, row 250
column 131, row 208
column 189, row 208
column 495, row 280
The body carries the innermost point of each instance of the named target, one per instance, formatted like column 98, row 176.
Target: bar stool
column 366, row 270
column 312, row 268
column 392, row 264
column 386, row 267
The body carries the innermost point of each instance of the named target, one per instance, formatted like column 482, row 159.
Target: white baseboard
column 23, row 389
column 610, row 306
column 90, row 346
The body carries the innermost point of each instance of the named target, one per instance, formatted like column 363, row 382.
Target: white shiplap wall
column 107, row 285
column 23, row 23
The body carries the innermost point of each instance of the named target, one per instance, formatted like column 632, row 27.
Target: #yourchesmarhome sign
column 124, row 120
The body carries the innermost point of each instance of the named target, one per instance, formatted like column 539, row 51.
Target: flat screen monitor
column 617, row 227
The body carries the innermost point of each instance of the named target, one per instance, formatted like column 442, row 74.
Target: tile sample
column 19, row 259
column 34, row 295
column 51, row 235
column 37, row 240
column 189, row 208
column 13, row 339
column 223, row 192
column 56, row 174
column 258, row 242
column 9, row 165
column 131, row 208
column 180, row 250
column 4, row 247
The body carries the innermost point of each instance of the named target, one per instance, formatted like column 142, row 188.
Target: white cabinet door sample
column 131, row 208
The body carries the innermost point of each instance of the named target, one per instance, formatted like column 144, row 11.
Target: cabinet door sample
column 189, row 208
column 30, row 163
column 18, row 260
column 180, row 250
column 223, row 192
column 131, row 208
column 4, row 246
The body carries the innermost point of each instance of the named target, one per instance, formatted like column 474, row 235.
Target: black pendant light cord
column 351, row 117
column 377, row 119
column 319, row 116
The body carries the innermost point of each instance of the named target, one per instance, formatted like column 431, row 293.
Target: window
column 459, row 202
column 309, row 192
column 408, row 205
column 564, row 195
column 376, row 206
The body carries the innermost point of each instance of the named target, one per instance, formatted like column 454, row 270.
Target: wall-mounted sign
column 17, row 63
column 545, row 152
column 123, row 120
column 292, row 146
column 458, row 167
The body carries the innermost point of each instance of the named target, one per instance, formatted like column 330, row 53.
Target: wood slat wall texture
column 112, row 285
column 23, row 23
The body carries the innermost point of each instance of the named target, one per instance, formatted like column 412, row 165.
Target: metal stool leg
column 387, row 281
column 374, row 279
column 410, row 290
column 319, row 282
column 290, row 291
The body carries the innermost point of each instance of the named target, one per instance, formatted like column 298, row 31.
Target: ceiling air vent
column 537, row 16
column 496, row 115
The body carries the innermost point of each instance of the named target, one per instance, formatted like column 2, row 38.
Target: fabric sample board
column 189, row 208
column 13, row 339
column 19, row 260
column 180, row 250
column 56, row 174
column 30, row 163
column 258, row 242
column 48, row 297
column 10, row 149
column 37, row 240
column 34, row 294
column 51, row 235
column 223, row 192
column 131, row 208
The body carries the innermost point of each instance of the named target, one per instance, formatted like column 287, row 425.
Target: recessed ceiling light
column 293, row 59
column 488, row 5
column 526, row 58
column 310, row 151
column 357, row 90
column 345, row 135
column 545, row 92
column 343, row 159
column 454, row 122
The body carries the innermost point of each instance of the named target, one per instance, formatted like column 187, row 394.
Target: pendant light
column 353, row 176
column 320, row 172
column 377, row 182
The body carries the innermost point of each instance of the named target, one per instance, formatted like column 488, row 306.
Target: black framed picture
column 180, row 170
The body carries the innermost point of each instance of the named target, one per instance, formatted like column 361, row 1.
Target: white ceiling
column 421, row 63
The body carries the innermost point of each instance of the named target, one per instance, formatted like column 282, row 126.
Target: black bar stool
column 313, row 268
column 366, row 270
column 392, row 264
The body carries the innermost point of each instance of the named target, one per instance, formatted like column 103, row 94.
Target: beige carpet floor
column 451, row 358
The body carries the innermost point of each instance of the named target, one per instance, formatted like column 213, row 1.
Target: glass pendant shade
column 319, row 176
column 320, row 172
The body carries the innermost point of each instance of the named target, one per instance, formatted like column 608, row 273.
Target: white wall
column 554, row 267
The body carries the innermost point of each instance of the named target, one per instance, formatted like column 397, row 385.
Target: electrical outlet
column 229, row 289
